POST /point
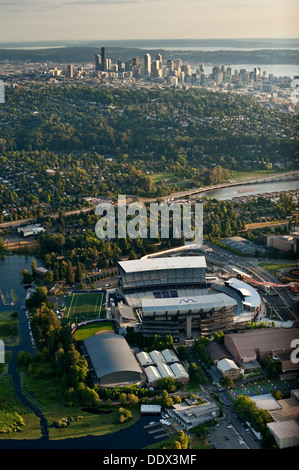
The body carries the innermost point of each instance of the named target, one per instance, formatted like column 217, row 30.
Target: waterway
column 287, row 183
column 134, row 437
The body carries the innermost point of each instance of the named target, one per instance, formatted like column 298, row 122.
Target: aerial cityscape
column 149, row 231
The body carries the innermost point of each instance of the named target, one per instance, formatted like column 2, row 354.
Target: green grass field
column 92, row 329
column 85, row 306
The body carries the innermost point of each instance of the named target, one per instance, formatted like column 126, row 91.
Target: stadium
column 162, row 272
column 173, row 295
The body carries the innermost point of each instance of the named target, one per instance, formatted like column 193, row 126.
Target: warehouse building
column 113, row 362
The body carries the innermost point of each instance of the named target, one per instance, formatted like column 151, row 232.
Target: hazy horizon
column 106, row 20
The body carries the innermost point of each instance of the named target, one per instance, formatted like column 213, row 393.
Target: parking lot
column 231, row 433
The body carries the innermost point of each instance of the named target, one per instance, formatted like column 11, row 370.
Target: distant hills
column 80, row 54
column 255, row 43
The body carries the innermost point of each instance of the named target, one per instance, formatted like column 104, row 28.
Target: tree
column 78, row 273
column 2, row 245
column 70, row 273
column 123, row 398
column 182, row 353
column 38, row 297
column 167, row 383
column 219, row 337
column 133, row 399
column 26, row 276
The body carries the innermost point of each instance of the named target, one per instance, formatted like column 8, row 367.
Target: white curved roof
column 185, row 304
column 152, row 374
column 153, row 264
column 169, row 356
column 110, row 353
column 251, row 296
column 179, row 370
column 144, row 359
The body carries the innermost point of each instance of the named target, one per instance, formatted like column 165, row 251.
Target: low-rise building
column 191, row 416
column 283, row 243
column 229, row 368
column 255, row 345
column 285, row 433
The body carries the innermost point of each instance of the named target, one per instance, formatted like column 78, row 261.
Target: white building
column 286, row 433
column 228, row 368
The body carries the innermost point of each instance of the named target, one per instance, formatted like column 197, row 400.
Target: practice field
column 85, row 306
column 92, row 329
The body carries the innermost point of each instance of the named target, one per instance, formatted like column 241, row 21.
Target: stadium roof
column 153, row 264
column 110, row 353
column 194, row 303
column 251, row 296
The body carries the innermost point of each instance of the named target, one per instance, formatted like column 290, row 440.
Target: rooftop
column 251, row 296
column 206, row 302
column 154, row 264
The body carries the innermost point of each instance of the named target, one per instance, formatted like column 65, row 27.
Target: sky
column 49, row 20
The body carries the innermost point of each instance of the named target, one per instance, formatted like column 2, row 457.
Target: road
column 222, row 257
column 17, row 223
column 283, row 292
column 235, row 430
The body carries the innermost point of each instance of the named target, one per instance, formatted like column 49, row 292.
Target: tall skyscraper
column 119, row 65
column 70, row 71
column 98, row 62
column 147, row 65
column 104, row 57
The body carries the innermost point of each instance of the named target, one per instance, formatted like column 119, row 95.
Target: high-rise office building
column 70, row 71
column 98, row 62
column 104, row 57
column 147, row 65
column 159, row 59
column 119, row 65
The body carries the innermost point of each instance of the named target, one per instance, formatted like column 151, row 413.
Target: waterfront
column 228, row 193
column 134, row 437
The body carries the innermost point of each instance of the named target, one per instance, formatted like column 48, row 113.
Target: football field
column 85, row 306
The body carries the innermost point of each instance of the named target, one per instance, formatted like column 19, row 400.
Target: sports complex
column 227, row 397
column 83, row 306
